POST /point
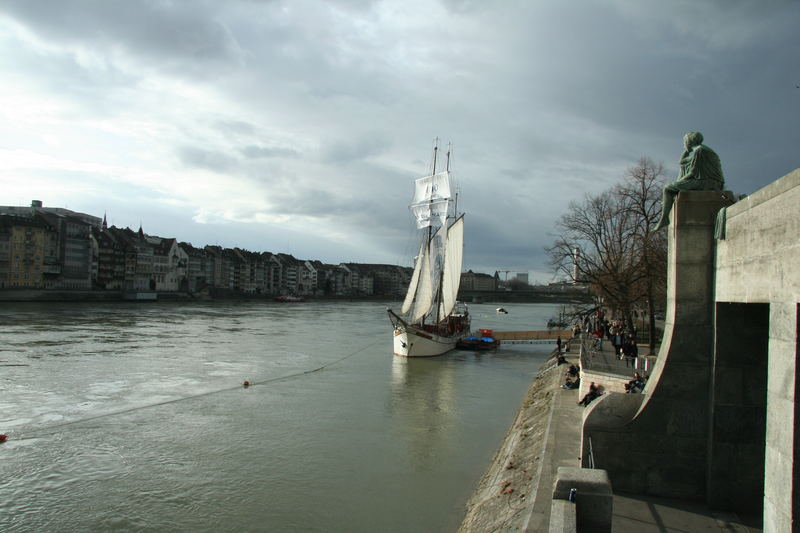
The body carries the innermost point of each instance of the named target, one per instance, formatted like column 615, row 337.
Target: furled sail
column 424, row 296
column 412, row 287
column 451, row 274
column 431, row 200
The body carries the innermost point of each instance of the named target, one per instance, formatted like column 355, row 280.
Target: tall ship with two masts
column 431, row 321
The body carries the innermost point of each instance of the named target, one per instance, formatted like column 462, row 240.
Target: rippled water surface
column 132, row 417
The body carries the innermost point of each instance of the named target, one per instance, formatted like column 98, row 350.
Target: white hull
column 411, row 342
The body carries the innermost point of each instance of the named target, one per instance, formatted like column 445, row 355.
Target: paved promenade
column 606, row 361
column 637, row 513
column 563, row 448
column 547, row 435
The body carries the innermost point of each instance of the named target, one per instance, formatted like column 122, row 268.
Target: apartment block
column 56, row 248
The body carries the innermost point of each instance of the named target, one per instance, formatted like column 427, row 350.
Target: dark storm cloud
column 651, row 74
column 188, row 31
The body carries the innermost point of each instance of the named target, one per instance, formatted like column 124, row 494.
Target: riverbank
column 516, row 491
column 98, row 295
column 76, row 295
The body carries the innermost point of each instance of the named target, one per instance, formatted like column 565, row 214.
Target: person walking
column 630, row 351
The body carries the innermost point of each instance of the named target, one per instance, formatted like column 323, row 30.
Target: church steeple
column 141, row 233
column 105, row 222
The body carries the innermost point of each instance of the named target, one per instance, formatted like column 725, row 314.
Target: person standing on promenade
column 630, row 351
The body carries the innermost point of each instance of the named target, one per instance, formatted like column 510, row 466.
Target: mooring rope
column 52, row 428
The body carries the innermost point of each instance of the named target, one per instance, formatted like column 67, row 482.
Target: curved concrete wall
column 662, row 449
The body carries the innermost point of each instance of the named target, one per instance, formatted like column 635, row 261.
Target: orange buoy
column 246, row 383
column 3, row 437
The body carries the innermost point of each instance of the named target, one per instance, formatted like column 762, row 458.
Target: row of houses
column 55, row 248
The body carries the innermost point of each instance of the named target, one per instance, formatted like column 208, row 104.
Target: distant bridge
column 532, row 337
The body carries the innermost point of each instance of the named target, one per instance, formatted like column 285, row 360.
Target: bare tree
column 605, row 241
column 642, row 188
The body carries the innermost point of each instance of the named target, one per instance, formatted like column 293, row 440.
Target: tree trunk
column 651, row 309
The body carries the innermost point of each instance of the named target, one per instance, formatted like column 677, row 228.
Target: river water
column 133, row 417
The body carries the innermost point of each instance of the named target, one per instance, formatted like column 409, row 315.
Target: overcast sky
column 299, row 126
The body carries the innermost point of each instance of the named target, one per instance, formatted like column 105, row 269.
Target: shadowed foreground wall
column 738, row 408
column 758, row 262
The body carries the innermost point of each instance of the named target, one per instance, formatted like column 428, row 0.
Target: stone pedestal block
column 563, row 517
column 594, row 500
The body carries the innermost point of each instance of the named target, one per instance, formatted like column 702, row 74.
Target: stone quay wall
column 505, row 495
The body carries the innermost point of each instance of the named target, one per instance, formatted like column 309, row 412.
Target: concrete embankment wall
column 35, row 295
column 516, row 492
column 55, row 295
column 608, row 382
column 76, row 295
column 507, row 493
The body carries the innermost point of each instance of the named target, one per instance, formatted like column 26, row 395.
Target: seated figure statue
column 700, row 171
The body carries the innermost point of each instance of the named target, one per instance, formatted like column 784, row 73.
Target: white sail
column 451, row 275
column 424, row 296
column 436, row 187
column 431, row 200
column 412, row 286
column 433, row 213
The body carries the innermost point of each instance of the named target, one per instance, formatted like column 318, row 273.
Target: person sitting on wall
column 571, row 384
column 635, row 385
column 573, row 370
column 594, row 392
column 700, row 171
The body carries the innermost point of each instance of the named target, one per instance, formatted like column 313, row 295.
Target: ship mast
column 439, row 295
column 430, row 202
column 455, row 201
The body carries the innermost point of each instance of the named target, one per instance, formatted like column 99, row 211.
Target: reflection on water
column 423, row 401
column 132, row 418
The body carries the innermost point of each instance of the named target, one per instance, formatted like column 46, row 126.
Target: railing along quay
column 605, row 360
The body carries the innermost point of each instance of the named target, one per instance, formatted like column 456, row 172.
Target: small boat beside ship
column 431, row 321
column 475, row 343
column 481, row 340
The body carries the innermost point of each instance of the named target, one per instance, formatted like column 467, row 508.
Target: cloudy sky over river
column 298, row 126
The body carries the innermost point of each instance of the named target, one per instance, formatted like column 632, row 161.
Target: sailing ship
column 431, row 320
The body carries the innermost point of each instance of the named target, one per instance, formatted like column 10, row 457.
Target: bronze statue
column 700, row 171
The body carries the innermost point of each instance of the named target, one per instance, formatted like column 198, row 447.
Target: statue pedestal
column 656, row 442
